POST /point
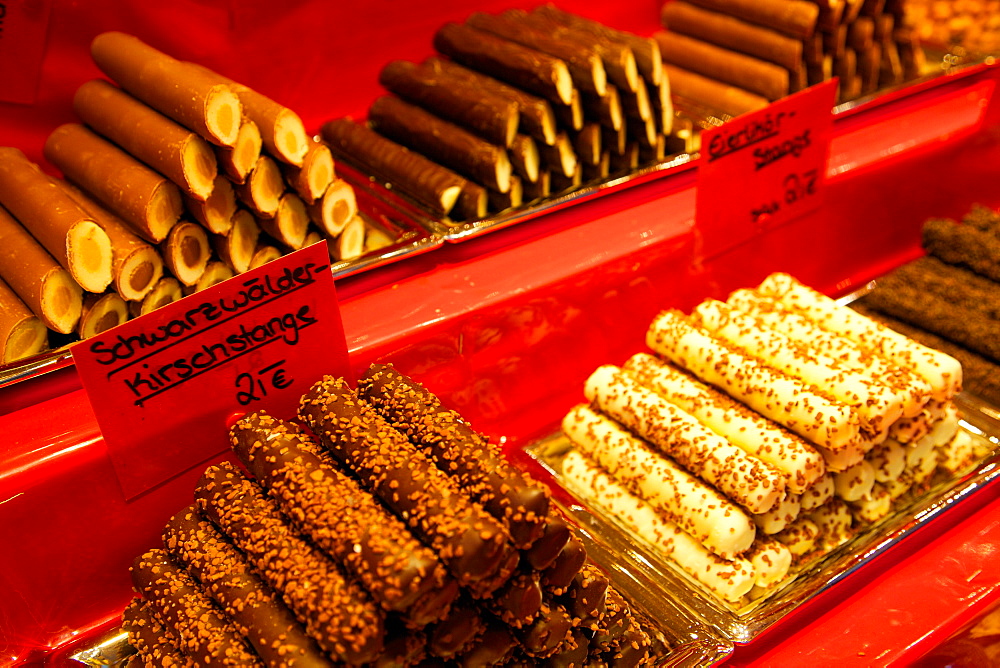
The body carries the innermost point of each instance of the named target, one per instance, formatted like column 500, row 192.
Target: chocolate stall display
column 764, row 444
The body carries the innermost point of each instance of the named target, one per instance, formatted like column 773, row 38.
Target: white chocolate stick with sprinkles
column 818, row 493
column 780, row 516
column 771, row 560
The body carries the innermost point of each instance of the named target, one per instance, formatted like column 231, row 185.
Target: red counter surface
column 506, row 327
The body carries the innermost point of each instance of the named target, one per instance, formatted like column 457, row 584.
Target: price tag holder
column 165, row 386
column 763, row 169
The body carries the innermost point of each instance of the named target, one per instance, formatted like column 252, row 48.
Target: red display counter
column 506, row 327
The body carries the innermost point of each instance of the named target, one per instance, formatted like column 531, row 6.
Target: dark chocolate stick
column 454, row 634
column 550, row 630
column 544, row 551
column 560, row 574
column 795, row 18
column 964, row 246
column 155, row 643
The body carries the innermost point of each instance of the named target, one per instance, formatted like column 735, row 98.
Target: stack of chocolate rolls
column 396, row 535
column 518, row 106
column 733, row 56
column 969, row 26
column 761, row 432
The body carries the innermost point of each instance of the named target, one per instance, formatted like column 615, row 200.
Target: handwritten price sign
column 763, row 169
column 163, row 386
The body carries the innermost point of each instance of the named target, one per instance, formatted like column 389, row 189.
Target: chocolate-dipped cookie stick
column 714, row 94
column 238, row 160
column 176, row 598
column 59, row 224
column 186, row 251
column 22, row 333
column 155, row 643
column 100, row 313
column 336, row 611
column 532, row 70
column 146, row 200
column 171, row 149
column 443, row 142
column 226, row 575
column 344, row 520
column 472, row 543
column 290, row 221
column 335, row 209
column 215, row 213
column 430, row 184
column 311, row 179
column 188, row 96
column 261, row 191
column 796, row 18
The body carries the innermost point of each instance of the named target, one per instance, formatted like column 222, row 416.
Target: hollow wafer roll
column 166, row 291
column 71, row 236
column 943, row 373
column 796, row 18
column 717, row 95
column 156, row 644
column 875, row 403
column 473, row 544
column 520, row 66
column 399, row 572
column 215, row 213
column 455, row 447
column 177, row 599
column 729, row 578
column 263, row 254
column 336, row 611
column 799, row 461
column 771, row 560
column 22, row 333
column 256, row 611
column 186, row 251
column 777, row 518
column 317, row 171
column 47, row 289
column 216, row 271
column 350, row 243
column 101, row 313
column 238, row 160
column 167, row 147
column 743, row 478
column 335, row 209
column 771, row 393
column 188, row 96
column 150, row 203
column 261, row 191
column 709, row 517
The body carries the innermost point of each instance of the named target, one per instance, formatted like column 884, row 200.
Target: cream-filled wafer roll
column 776, row 395
column 874, row 506
column 961, row 452
column 311, row 179
column 799, row 461
column 290, row 222
column 237, row 161
column 912, row 390
column 719, row 524
column 136, row 265
column 22, row 333
column 101, row 313
column 834, row 521
column 216, row 271
column 799, row 537
column 166, row 291
column 47, row 289
column 169, row 148
column 262, row 190
column 186, row 251
column 743, row 478
column 59, row 224
column 728, row 578
column 336, row 208
column 263, row 254
column 942, row 371
column 350, row 243
column 237, row 246
column 855, row 483
column 145, row 199
column 877, row 406
column 188, row 96
column 817, row 494
column 888, row 459
column 780, row 516
column 771, row 559
column 215, row 213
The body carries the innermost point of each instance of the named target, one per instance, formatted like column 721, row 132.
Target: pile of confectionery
column 379, row 530
column 763, row 432
column 734, row 56
column 520, row 106
column 949, row 299
column 175, row 179
column 972, row 25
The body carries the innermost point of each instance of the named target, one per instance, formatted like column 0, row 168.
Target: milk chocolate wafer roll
column 350, row 243
column 344, row 520
column 712, row 519
column 188, row 96
column 428, row 183
column 775, row 395
column 335, row 209
column 263, row 254
column 72, row 237
column 534, row 71
column 176, row 598
column 455, row 447
column 796, row 18
column 755, row 75
column 742, row 477
column 167, row 147
column 226, row 575
column 585, row 66
column 262, row 190
column 944, row 373
column 715, row 94
column 146, row 200
column 100, row 313
column 216, row 271
column 473, row 543
column 186, row 251
column 290, row 221
column 443, row 142
column 237, row 246
column 155, row 643
column 312, row 178
column 166, row 291
column 22, row 333
column 237, row 161
column 335, row 610
column 215, row 213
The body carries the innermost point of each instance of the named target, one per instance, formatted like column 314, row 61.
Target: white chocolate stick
column 842, row 459
column 834, row 521
column 744, row 479
column 776, row 395
column 961, row 452
column 943, row 372
column 855, row 483
column 770, row 559
column 780, row 516
column 888, row 459
column 910, row 429
column 911, row 388
column 720, row 525
column 877, row 406
column 818, row 493
column 799, row 461
column 729, row 579
column 873, row 507
column 800, row 536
